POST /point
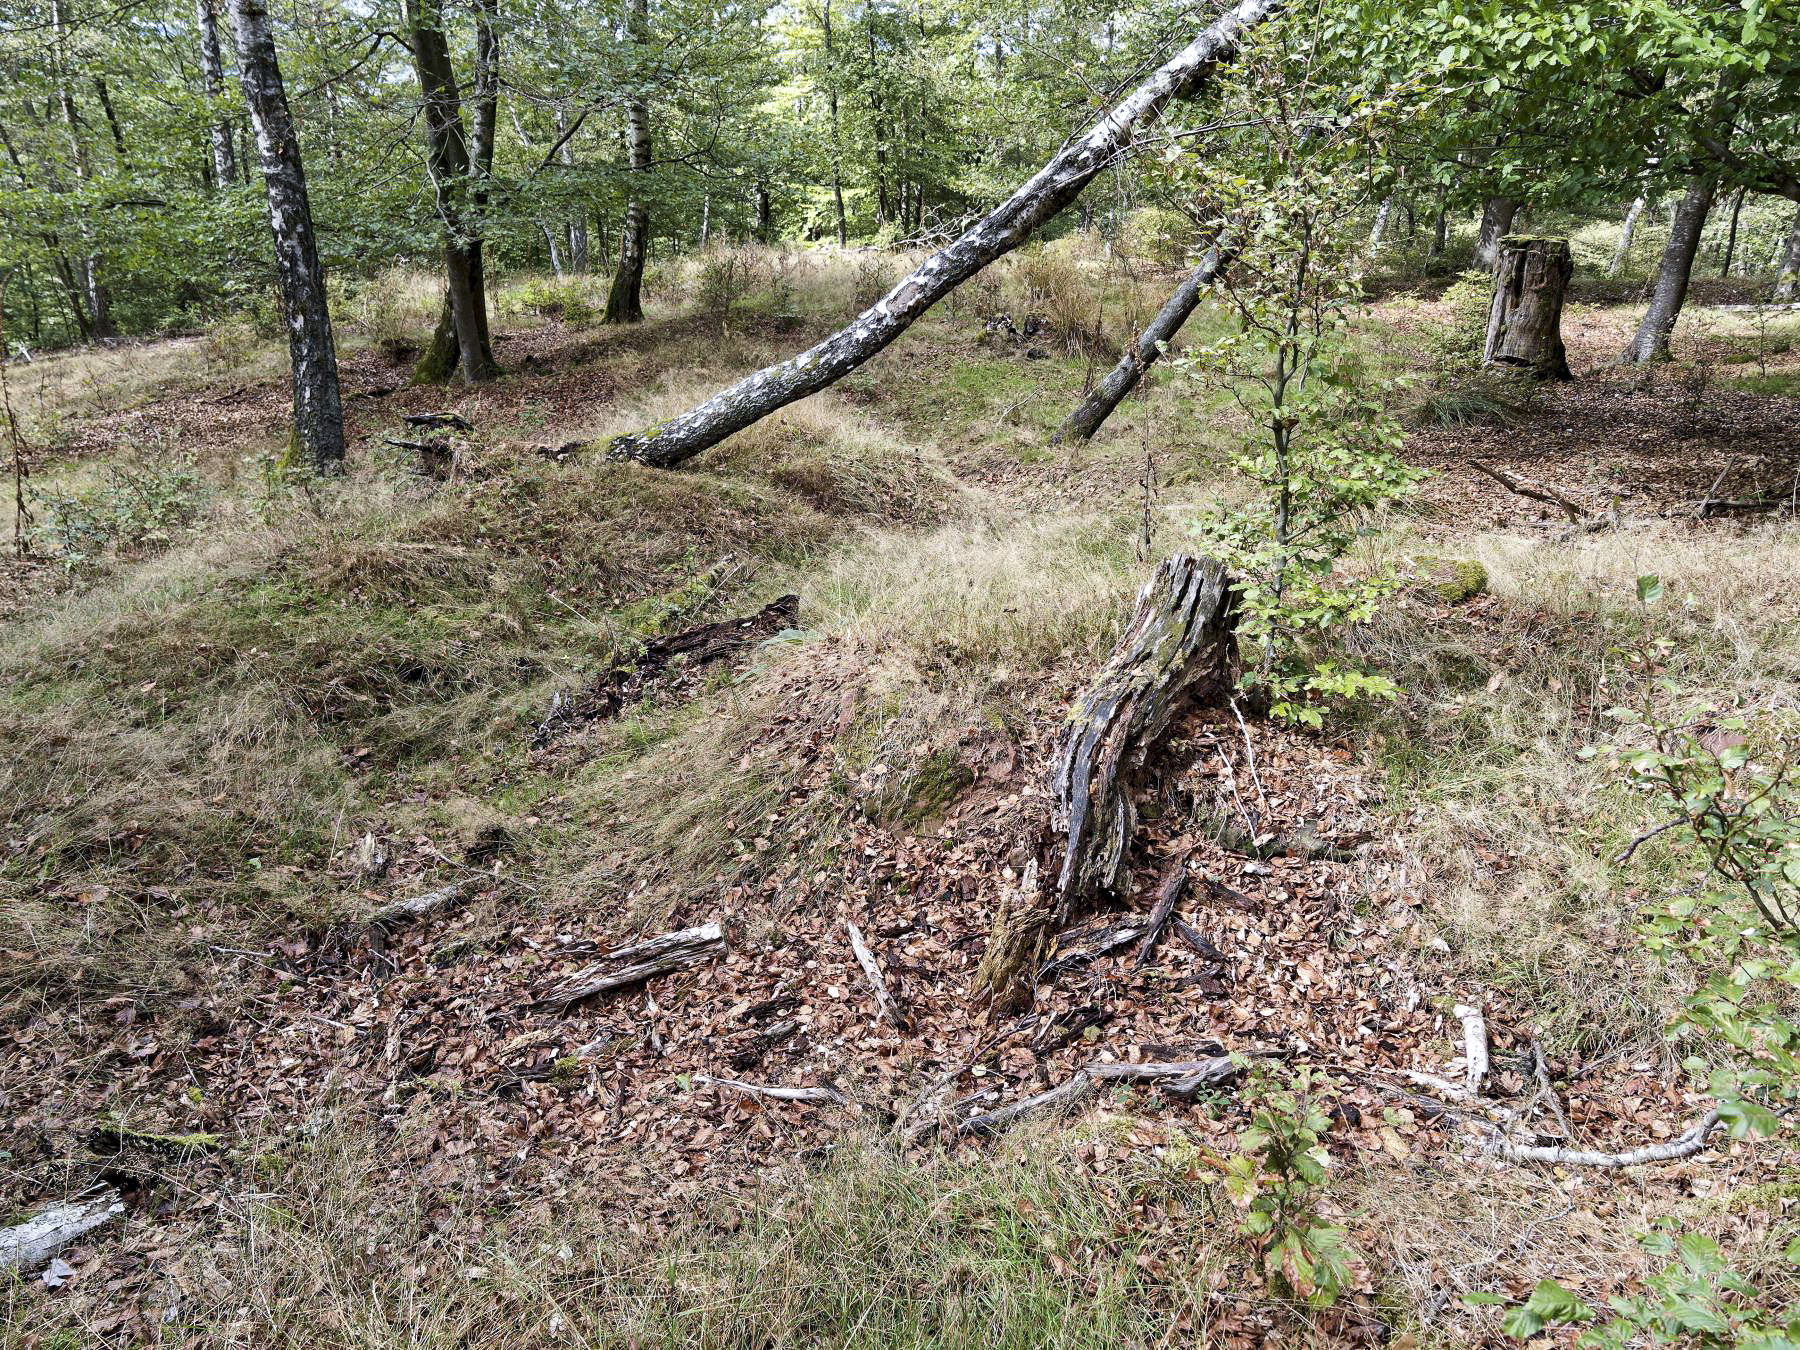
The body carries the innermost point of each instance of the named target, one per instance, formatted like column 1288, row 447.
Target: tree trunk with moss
column 1525, row 321
column 624, row 300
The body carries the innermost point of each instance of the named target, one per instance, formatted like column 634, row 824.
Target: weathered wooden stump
column 1179, row 649
column 1525, row 323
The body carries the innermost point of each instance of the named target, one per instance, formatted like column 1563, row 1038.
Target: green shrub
column 129, row 509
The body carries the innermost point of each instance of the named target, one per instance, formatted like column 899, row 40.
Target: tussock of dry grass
column 1513, row 829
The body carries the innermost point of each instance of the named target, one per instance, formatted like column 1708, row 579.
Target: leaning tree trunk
column 1379, row 230
column 1525, row 321
column 212, row 72
column 1626, row 233
column 1497, row 215
column 1651, row 342
column 312, row 355
column 625, row 298
column 1731, row 236
column 1787, row 284
column 1179, row 651
column 1139, row 356
column 1003, row 229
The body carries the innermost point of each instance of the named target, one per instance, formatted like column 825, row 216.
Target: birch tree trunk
column 1651, row 342
column 1003, row 229
column 1139, row 356
column 88, row 266
column 578, row 235
column 625, row 299
column 1626, row 233
column 1381, row 222
column 1787, row 284
column 1497, row 214
column 312, row 356
column 212, row 74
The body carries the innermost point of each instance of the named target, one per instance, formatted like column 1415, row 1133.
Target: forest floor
column 246, row 712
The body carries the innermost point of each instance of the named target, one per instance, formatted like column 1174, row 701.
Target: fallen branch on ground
column 636, row 963
column 1537, row 492
column 1475, row 1047
column 699, row 646
column 884, row 1005
column 1003, row 229
column 29, row 1245
column 1182, row 1079
column 1172, row 890
column 780, row 1094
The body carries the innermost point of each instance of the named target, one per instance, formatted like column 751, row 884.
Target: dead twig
column 1684, row 1145
column 884, row 1005
column 776, row 1093
column 1536, row 491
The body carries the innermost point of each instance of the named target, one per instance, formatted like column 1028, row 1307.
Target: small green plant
column 723, row 281
column 565, row 299
column 1696, row 1299
column 1275, row 1178
column 129, row 509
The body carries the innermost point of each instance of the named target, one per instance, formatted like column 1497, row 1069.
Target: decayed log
column 29, row 1245
column 1179, row 648
column 1182, row 1079
column 1172, row 888
column 698, row 646
column 1003, row 229
column 636, row 963
column 1081, row 424
column 1525, row 321
column 418, row 906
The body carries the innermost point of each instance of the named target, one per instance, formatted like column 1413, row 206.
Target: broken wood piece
column 1540, row 1069
column 865, row 958
column 1184, row 1078
column 1536, row 491
column 438, row 419
column 1178, row 649
column 1197, row 940
column 418, row 906
column 1684, row 1145
column 698, row 646
column 780, row 1094
column 116, row 1134
column 30, row 1245
column 1173, row 887
column 1090, row 944
column 639, row 962
column 1475, row 1047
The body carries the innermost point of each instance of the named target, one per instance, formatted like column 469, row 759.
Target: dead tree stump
column 1179, row 649
column 1525, row 323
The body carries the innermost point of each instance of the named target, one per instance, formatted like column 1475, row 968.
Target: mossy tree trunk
column 625, row 298
column 1525, row 321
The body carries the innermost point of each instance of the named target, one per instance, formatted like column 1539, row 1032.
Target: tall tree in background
column 624, row 302
column 1651, row 341
column 212, row 74
column 99, row 306
column 312, row 356
column 458, row 179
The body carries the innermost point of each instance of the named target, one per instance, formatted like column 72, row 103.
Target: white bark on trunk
column 1629, row 229
column 212, row 71
column 312, row 355
column 1006, row 227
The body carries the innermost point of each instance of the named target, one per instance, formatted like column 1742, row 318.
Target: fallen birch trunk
column 1684, row 1145
column 1003, row 229
column 30, row 1245
column 1081, row 424
column 1475, row 1047
column 636, row 963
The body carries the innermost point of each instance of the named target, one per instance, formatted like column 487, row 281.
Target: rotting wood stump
column 1179, row 650
column 1525, row 321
